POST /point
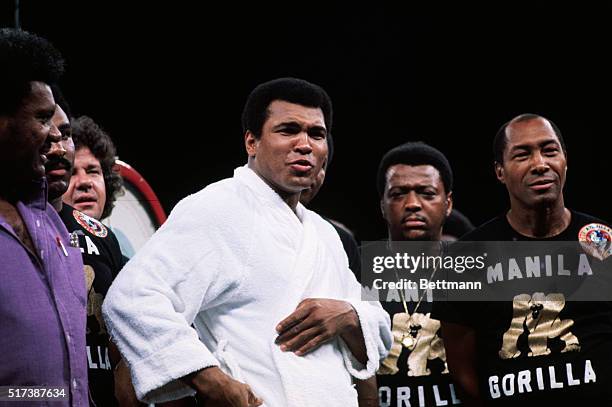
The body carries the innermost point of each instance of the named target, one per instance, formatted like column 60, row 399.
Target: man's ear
column 449, row 203
column 499, row 173
column 250, row 143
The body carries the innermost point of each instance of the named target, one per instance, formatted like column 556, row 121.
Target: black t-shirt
column 103, row 260
column 416, row 375
column 532, row 351
column 350, row 247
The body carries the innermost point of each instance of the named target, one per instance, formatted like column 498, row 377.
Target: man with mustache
column 42, row 294
column 265, row 281
column 100, row 250
column 367, row 392
column 527, row 351
column 351, row 247
column 94, row 185
column 415, row 183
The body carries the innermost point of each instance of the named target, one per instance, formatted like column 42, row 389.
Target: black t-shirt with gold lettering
column 540, row 349
column 415, row 372
column 415, row 375
column 103, row 260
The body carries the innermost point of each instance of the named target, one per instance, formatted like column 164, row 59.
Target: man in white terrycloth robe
column 264, row 280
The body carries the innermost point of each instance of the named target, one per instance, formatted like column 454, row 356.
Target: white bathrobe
column 234, row 260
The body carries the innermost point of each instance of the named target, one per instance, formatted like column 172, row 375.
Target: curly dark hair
column 25, row 58
column 86, row 133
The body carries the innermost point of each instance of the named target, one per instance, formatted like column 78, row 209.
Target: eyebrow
column 413, row 186
column 296, row 125
column 93, row 166
column 287, row 124
column 528, row 146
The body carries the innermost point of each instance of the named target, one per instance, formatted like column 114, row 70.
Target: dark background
column 168, row 82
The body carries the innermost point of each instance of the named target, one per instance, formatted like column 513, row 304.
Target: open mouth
column 301, row 165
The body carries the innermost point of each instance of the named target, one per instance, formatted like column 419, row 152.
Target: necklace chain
column 412, row 342
column 405, row 303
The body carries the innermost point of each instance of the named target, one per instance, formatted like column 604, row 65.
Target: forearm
column 216, row 388
column 353, row 337
column 467, row 380
column 374, row 334
column 186, row 402
column 113, row 354
column 460, row 344
column 201, row 381
column 124, row 390
column 367, row 392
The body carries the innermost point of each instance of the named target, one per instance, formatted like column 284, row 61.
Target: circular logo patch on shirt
column 93, row 226
column 596, row 239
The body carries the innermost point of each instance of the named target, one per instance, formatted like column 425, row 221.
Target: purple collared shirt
column 42, row 306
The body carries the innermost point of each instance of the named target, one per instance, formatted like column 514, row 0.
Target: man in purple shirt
column 42, row 289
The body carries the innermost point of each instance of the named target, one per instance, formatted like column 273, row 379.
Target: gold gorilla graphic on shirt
column 427, row 344
column 539, row 315
column 94, row 301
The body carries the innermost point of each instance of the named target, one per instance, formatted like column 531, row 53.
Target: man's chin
column 308, row 178
column 88, row 209
column 56, row 188
column 299, row 184
column 544, row 200
column 416, row 234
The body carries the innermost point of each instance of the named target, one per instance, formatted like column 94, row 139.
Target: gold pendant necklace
column 409, row 339
column 408, row 342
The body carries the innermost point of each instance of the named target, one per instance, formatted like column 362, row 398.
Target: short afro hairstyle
column 500, row 141
column 86, row 133
column 290, row 90
column 25, row 58
column 415, row 153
